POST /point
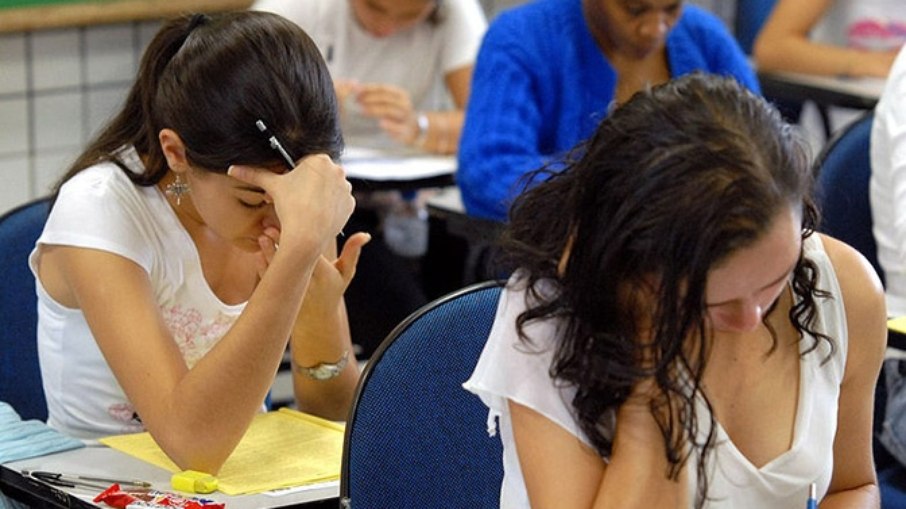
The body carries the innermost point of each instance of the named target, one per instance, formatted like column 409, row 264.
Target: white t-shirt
column 887, row 188
column 865, row 24
column 509, row 369
column 100, row 208
column 415, row 59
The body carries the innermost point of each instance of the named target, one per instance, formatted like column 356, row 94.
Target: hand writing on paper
column 392, row 107
column 346, row 91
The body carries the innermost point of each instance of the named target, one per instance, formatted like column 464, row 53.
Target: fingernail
column 233, row 170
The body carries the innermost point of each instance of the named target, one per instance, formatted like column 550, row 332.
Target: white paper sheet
column 373, row 164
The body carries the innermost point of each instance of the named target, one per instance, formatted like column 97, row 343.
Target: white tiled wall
column 57, row 87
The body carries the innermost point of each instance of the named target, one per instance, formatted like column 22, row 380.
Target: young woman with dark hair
column 164, row 302
column 675, row 334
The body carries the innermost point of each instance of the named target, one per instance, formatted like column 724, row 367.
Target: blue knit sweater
column 541, row 85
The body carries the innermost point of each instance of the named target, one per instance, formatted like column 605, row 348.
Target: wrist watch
column 325, row 370
column 422, row 135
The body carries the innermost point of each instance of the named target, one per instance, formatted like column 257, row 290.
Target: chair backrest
column 750, row 16
column 843, row 171
column 20, row 375
column 415, row 437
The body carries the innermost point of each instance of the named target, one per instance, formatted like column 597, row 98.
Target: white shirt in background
column 415, row 59
column 887, row 189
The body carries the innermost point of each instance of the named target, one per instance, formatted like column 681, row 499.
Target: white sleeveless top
column 100, row 208
column 510, row 369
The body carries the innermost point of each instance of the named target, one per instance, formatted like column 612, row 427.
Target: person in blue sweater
column 549, row 71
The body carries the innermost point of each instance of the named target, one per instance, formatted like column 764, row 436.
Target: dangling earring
column 177, row 189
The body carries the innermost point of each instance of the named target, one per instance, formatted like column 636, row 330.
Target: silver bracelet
column 324, row 370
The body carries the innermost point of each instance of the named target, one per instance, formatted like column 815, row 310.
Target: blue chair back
column 415, row 437
column 843, row 173
column 750, row 16
column 20, row 375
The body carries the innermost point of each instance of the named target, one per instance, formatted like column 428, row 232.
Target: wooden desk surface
column 23, row 19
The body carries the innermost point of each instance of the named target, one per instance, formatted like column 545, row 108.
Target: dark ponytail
column 131, row 125
column 209, row 78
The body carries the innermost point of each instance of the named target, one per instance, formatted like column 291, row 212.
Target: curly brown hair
column 671, row 184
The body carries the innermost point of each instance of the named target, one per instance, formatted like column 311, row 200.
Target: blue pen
column 812, row 497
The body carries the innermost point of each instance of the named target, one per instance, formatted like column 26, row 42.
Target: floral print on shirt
column 195, row 335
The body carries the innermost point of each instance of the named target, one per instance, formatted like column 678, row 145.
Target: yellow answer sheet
column 280, row 449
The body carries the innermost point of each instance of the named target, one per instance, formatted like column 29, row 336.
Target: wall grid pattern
column 57, row 87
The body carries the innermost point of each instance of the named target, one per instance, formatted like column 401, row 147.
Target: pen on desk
column 812, row 497
column 76, row 480
column 121, row 482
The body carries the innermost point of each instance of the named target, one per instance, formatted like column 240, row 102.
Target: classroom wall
column 56, row 88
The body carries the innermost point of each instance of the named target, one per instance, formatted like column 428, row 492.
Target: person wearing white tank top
column 675, row 334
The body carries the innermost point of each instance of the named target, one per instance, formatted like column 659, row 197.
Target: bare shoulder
column 863, row 300
column 858, row 280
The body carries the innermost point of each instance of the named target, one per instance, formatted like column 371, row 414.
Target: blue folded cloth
column 20, row 439
column 8, row 503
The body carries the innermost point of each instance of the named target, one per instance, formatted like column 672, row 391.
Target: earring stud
column 177, row 189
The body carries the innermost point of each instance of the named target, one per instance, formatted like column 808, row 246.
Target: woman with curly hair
column 675, row 333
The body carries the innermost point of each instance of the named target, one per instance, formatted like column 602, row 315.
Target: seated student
column 888, row 211
column 549, row 71
column 887, row 190
column 832, row 37
column 165, row 303
column 395, row 63
column 402, row 70
column 676, row 335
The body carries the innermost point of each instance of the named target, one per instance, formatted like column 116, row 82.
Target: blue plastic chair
column 750, row 16
column 414, row 436
column 20, row 375
column 843, row 172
